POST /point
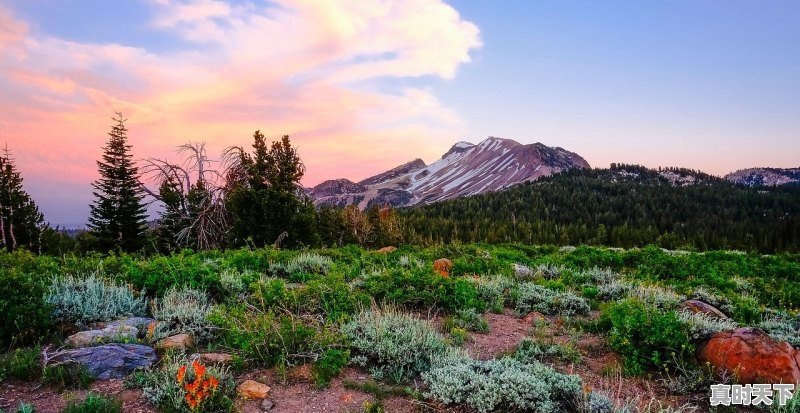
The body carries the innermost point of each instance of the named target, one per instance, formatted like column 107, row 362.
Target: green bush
column 183, row 310
column 503, row 385
column 91, row 298
column 646, row 336
column 329, row 365
column 94, row 403
column 534, row 297
column 394, row 345
column 530, row 351
column 73, row 375
column 421, row 288
column 25, row 316
column 467, row 319
column 22, row 364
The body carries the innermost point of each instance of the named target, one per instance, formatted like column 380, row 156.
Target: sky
column 364, row 85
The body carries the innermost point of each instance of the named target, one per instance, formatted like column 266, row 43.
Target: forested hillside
column 622, row 206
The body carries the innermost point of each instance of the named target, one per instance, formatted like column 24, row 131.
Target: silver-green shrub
column 781, row 327
column 392, row 344
column 309, row 262
column 657, row 296
column 707, row 296
column 91, row 298
column 534, row 297
column 614, row 290
column 597, row 402
column 232, row 281
column 702, row 325
column 183, row 310
column 495, row 291
column 502, row 385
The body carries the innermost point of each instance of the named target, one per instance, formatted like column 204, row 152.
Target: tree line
column 252, row 196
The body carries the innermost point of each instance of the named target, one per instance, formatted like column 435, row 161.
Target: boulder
column 267, row 405
column 251, row 389
column 386, row 250
column 751, row 356
column 112, row 361
column 214, row 358
column 443, row 266
column 697, row 306
column 180, row 342
column 112, row 333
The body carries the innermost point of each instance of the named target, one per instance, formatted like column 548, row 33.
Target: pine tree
column 20, row 219
column 118, row 215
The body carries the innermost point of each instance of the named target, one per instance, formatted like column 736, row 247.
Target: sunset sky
column 364, row 85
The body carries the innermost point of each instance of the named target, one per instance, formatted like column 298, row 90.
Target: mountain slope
column 466, row 169
column 624, row 206
column 765, row 176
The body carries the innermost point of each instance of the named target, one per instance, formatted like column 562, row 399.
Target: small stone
column 177, row 342
column 215, row 358
column 251, row 389
column 386, row 250
column 267, row 405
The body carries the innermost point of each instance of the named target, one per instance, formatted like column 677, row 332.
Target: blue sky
column 710, row 85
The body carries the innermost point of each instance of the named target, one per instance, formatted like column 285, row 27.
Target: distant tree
column 265, row 199
column 21, row 222
column 118, row 215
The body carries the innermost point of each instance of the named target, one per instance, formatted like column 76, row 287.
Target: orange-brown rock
column 443, row 266
column 751, row 356
column 386, row 250
column 697, row 306
column 251, row 389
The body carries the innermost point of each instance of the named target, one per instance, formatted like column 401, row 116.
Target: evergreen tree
column 118, row 215
column 20, row 219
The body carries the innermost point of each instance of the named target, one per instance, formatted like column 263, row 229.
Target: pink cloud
column 297, row 67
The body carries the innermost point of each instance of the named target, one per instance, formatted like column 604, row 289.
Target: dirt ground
column 296, row 393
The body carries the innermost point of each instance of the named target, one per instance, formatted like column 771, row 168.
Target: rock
column 112, row 361
column 751, row 356
column 180, row 342
column 697, row 306
column 112, row 333
column 443, row 266
column 251, row 389
column 386, row 250
column 267, row 405
column 215, row 358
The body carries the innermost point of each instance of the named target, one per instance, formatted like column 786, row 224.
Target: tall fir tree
column 21, row 222
column 118, row 216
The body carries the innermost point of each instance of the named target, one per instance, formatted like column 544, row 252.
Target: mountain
column 466, row 169
column 765, row 176
column 622, row 206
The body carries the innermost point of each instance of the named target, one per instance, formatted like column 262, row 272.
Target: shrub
column 183, row 386
column 502, row 385
column 234, row 282
column 25, row 316
column 420, row 287
column 267, row 339
column 393, row 344
column 613, row 291
column 91, row 298
column 23, row 408
column 657, row 296
column 22, row 364
column 646, row 336
column 329, row 365
column 494, row 291
column 700, row 326
column 74, row 375
column 183, row 310
column 331, row 297
column 533, row 297
column 467, row 319
column 781, row 327
column 530, row 351
column 94, row 403
column 707, row 296
column 309, row 262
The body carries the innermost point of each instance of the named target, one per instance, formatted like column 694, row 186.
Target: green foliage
column 421, row 288
column 700, row 325
column 394, row 345
column 25, row 316
column 94, row 403
column 534, row 297
column 503, row 385
column 646, row 336
column 91, row 298
column 466, row 319
column 22, row 364
column 329, row 365
column 118, row 215
column 530, row 351
column 23, row 408
column 73, row 375
column 183, row 310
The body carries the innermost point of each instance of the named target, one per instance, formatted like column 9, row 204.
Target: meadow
column 458, row 327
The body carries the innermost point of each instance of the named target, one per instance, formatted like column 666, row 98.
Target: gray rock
column 110, row 334
column 112, row 361
column 267, row 405
column 140, row 323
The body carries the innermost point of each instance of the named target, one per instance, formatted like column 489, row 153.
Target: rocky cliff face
column 765, row 176
column 466, row 169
